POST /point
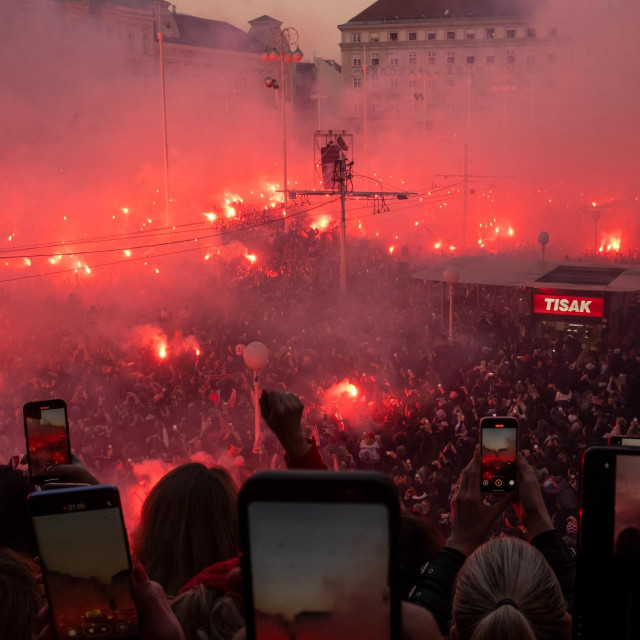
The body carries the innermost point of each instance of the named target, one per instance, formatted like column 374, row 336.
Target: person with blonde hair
column 506, row 589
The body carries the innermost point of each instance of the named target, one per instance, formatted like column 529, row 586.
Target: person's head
column 19, row 595
column 206, row 613
column 16, row 531
column 506, row 589
column 189, row 521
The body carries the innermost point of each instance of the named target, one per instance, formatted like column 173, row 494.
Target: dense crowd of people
column 382, row 388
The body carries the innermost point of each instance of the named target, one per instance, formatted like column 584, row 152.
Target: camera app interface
column 499, row 458
column 627, row 506
column 320, row 570
column 87, row 573
column 47, row 440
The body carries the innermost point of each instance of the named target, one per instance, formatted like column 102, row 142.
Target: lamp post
column 451, row 277
column 278, row 43
column 543, row 239
column 596, row 219
column 163, row 97
column 256, row 357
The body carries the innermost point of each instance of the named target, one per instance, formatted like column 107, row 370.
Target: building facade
column 429, row 63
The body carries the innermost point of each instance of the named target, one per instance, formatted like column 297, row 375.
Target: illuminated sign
column 565, row 305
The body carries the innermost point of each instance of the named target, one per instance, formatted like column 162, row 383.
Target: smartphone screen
column 85, row 562
column 47, row 434
column 499, row 441
column 625, row 442
column 321, row 569
column 626, row 523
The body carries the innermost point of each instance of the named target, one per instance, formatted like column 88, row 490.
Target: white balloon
column 256, row 356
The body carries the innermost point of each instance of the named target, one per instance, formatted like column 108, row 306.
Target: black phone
column 608, row 545
column 46, row 429
column 85, row 562
column 320, row 555
column 499, row 445
column 625, row 441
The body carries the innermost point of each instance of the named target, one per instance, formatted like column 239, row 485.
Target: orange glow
column 593, row 204
column 198, row 352
column 611, row 245
column 207, row 256
column 27, row 262
column 157, row 270
column 352, row 390
column 251, row 257
column 452, row 248
column 211, row 217
column 511, row 231
column 127, row 252
column 437, row 245
column 162, row 351
column 231, row 212
column 125, row 210
column 391, row 249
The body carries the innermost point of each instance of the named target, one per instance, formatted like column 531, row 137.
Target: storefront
column 586, row 301
column 556, row 313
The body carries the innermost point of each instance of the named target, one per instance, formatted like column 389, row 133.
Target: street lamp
column 543, row 239
column 256, row 357
column 596, row 218
column 278, row 43
column 451, row 277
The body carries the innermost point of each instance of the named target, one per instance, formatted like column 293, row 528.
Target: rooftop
column 513, row 272
column 390, row 10
column 214, row 34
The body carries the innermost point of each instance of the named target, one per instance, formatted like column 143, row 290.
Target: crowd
column 382, row 389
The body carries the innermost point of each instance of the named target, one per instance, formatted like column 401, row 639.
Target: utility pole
column 342, row 191
column 465, row 175
column 364, row 106
column 465, row 187
column 165, row 144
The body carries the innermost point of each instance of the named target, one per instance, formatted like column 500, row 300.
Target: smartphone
column 499, row 444
column 85, row 562
column 625, row 441
column 46, row 430
column 608, row 544
column 320, row 555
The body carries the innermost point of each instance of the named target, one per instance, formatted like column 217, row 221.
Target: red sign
column 564, row 305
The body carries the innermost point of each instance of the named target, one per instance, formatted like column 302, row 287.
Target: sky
column 316, row 22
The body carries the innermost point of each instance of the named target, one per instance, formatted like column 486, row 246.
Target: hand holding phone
column 499, row 445
column 85, row 562
column 46, row 428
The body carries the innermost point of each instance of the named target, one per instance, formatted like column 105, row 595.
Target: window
column 375, row 60
column 393, row 35
column 451, row 35
column 511, row 57
column 132, row 42
column 393, row 59
column 412, row 82
column 511, row 33
column 356, row 62
column 145, row 44
column 431, row 57
column 471, row 35
column 553, row 32
column 355, row 37
column 450, row 70
column 471, row 59
column 413, row 57
column 551, row 58
column 413, row 35
column 373, row 81
column 451, row 57
column 531, row 59
column 394, row 83
column 357, row 82
column 491, row 59
column 491, row 33
column 531, row 32
column 357, row 108
column 374, row 37
column 431, row 35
